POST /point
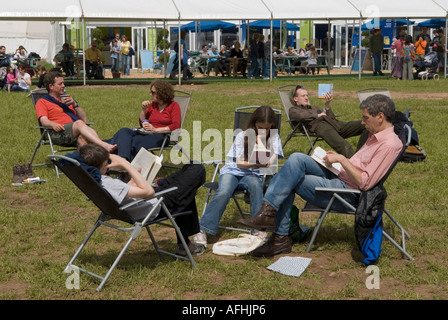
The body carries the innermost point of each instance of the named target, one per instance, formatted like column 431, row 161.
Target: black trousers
column 187, row 180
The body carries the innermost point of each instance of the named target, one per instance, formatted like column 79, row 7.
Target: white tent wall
column 33, row 35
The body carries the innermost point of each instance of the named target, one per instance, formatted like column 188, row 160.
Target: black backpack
column 413, row 152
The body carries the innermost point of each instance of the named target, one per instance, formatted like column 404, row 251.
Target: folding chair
column 336, row 196
column 242, row 116
column 45, row 138
column 111, row 210
column 183, row 99
column 365, row 93
column 298, row 130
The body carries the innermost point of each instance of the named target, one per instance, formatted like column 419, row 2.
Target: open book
column 260, row 155
column 148, row 162
column 319, row 154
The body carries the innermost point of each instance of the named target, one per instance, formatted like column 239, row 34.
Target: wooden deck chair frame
column 45, row 138
column 365, row 93
column 183, row 99
column 298, row 130
column 242, row 115
column 111, row 211
column 351, row 209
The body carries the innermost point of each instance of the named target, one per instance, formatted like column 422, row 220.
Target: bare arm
column 140, row 188
column 79, row 111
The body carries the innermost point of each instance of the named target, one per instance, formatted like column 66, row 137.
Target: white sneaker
column 200, row 238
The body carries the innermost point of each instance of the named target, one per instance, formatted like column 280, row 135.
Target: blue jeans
column 126, row 59
column 227, row 184
column 301, row 174
column 114, row 64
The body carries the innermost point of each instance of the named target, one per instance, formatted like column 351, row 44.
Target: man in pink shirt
column 301, row 174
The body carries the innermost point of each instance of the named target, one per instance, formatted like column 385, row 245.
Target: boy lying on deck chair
column 187, row 180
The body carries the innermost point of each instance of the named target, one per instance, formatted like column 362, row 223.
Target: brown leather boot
column 264, row 220
column 275, row 245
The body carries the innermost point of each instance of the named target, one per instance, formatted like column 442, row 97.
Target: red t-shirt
column 169, row 117
column 53, row 112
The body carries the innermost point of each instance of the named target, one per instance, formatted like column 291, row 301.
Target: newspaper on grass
column 290, row 266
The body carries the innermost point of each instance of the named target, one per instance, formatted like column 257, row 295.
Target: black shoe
column 380, row 73
column 196, row 249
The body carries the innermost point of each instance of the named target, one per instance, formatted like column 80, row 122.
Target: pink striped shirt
column 374, row 159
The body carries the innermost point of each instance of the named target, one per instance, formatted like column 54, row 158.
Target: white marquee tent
column 187, row 10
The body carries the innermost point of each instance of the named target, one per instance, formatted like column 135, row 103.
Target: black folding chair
column 337, row 195
column 111, row 210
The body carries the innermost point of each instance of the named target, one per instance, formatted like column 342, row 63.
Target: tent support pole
column 271, row 62
column 360, row 48
column 84, row 51
column 444, row 52
column 179, row 55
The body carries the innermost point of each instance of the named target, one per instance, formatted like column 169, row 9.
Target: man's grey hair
column 379, row 103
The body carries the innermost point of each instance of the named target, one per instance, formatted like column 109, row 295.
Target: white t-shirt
column 118, row 190
column 21, row 81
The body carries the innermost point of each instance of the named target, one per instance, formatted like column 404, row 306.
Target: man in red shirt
column 64, row 115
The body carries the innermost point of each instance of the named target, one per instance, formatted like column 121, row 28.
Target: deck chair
column 111, row 212
column 242, row 116
column 183, row 99
column 298, row 130
column 365, row 93
column 351, row 209
column 45, row 138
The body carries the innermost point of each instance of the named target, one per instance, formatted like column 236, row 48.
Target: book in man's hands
column 148, row 162
column 324, row 89
column 319, row 154
column 260, row 155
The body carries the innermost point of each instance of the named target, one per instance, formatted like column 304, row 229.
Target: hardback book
column 324, row 89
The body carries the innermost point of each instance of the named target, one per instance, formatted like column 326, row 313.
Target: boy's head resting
column 94, row 155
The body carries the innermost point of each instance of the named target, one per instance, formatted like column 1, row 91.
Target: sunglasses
column 153, row 92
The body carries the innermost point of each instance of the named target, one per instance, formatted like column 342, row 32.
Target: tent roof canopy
column 190, row 10
column 205, row 26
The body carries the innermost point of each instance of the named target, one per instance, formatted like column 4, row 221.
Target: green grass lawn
column 42, row 225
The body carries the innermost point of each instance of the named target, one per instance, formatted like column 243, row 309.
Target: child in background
column 11, row 78
column 115, row 50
